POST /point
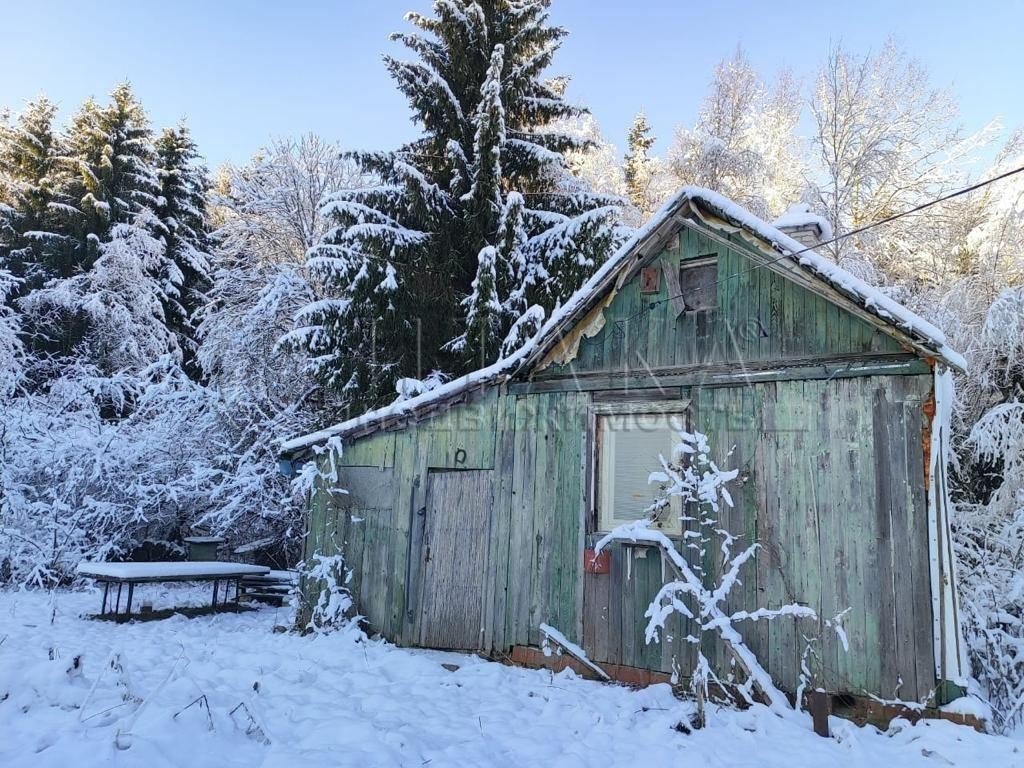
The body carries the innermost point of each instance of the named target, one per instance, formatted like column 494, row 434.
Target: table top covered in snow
column 173, row 571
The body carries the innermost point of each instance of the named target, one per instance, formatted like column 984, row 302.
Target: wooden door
column 454, row 558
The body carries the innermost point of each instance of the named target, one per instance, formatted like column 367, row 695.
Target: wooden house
column 469, row 508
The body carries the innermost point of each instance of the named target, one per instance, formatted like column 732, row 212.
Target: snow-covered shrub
column 327, row 577
column 693, row 477
column 988, row 525
column 94, row 466
column 990, row 547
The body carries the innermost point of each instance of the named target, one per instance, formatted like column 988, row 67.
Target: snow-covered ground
column 342, row 700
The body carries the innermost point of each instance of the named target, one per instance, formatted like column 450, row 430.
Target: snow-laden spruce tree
column 110, row 166
column 471, row 224
column 181, row 208
column 639, row 167
column 30, row 240
column 114, row 276
column 698, row 593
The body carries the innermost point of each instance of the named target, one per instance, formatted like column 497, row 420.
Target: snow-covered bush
column 327, row 577
column 990, row 546
column 695, row 479
column 80, row 481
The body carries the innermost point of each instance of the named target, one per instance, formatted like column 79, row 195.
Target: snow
column 871, row 298
column 172, row 570
column 800, row 215
column 162, row 694
column 969, row 705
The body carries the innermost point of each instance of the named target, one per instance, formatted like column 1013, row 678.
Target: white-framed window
column 629, row 444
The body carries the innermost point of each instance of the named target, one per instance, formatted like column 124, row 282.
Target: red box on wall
column 597, row 563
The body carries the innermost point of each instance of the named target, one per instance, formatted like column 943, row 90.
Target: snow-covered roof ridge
column 871, row 298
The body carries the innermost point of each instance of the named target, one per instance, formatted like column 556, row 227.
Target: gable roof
column 708, row 207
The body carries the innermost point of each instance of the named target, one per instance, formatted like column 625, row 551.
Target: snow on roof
column 401, row 407
column 870, row 298
column 800, row 215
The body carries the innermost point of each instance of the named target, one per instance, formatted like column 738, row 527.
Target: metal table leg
column 106, row 589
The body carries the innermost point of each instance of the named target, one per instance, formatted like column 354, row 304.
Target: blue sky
column 240, row 72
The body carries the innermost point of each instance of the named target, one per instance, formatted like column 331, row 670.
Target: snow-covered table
column 138, row 573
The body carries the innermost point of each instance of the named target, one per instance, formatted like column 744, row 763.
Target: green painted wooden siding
column 761, row 317
column 831, row 486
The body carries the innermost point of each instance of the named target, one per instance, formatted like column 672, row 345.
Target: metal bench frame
column 107, row 581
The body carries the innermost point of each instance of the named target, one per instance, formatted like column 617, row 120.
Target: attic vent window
column 698, row 283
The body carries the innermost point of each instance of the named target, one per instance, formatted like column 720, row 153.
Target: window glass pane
column 630, row 448
column 698, row 284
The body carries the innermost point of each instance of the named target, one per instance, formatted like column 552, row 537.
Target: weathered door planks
column 458, row 513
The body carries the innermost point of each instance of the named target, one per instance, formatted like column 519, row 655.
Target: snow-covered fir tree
column 114, row 276
column 638, row 165
column 472, row 224
column 182, row 212
column 29, row 236
column 111, row 166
